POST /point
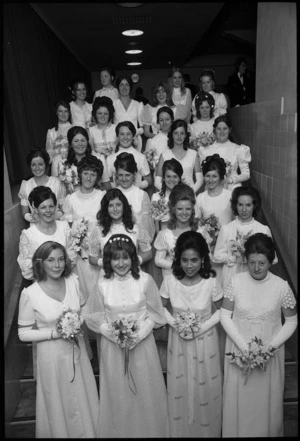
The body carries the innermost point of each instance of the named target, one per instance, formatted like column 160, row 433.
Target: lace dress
column 123, row 413
column 255, row 409
column 63, row 409
column 194, row 379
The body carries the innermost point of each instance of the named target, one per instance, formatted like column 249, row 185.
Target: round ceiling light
column 130, row 5
column 134, row 51
column 132, row 33
column 134, row 63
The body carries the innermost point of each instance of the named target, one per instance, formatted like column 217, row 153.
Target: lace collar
column 121, row 278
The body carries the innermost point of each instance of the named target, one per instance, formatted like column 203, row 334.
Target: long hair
column 191, row 240
column 174, row 166
column 175, row 125
column 38, row 153
column 104, row 218
column 182, row 87
column 117, row 244
column 181, row 192
column 67, row 106
column 169, row 101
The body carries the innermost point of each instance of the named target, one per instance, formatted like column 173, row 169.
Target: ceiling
column 174, row 33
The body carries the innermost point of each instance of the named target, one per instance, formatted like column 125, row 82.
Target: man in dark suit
column 240, row 85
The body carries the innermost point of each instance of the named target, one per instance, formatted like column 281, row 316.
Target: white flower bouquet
column 68, row 175
column 237, row 247
column 79, row 236
column 205, row 139
column 212, row 226
column 159, row 209
column 187, row 323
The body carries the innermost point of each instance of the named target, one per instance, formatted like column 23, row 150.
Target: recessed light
column 130, row 5
column 132, row 33
column 134, row 63
column 133, row 51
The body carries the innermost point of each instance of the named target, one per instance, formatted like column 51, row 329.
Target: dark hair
column 124, row 77
column 239, row 61
column 127, row 124
column 223, row 118
column 245, row 191
column 74, row 86
column 191, row 240
column 40, row 194
column 72, row 132
column 91, row 163
column 214, row 162
column 201, row 98
column 173, row 165
column 42, row 253
column 127, row 162
column 164, row 109
column 178, row 69
column 175, row 125
column 103, row 101
column 67, row 106
column 104, row 218
column 208, row 73
column 169, row 100
column 108, row 69
column 260, row 243
column 116, row 244
column 181, row 192
column 38, row 153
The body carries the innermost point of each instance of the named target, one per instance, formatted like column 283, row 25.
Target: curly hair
column 40, row 194
column 174, row 166
column 175, row 125
column 38, row 153
column 246, row 191
column 191, row 240
column 103, row 101
column 90, row 163
column 214, row 162
column 181, row 192
column 169, row 101
column 260, row 243
column 42, row 253
column 201, row 98
column 120, row 244
column 126, row 162
column 72, row 132
column 104, row 218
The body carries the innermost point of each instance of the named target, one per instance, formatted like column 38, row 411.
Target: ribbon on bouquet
column 131, row 382
column 75, row 342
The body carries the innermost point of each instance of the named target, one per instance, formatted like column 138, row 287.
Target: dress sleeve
column 217, row 290
column 93, row 311
column 105, row 176
column 26, row 251
column 164, row 291
column 26, row 311
column 221, row 107
column 287, row 297
column 145, row 170
column 229, row 292
column 50, row 145
column 154, row 304
column 243, row 159
column 67, row 209
column 221, row 254
column 94, row 243
column 146, row 219
column 160, row 242
column 143, row 240
column 140, row 110
column 22, row 194
column 61, row 192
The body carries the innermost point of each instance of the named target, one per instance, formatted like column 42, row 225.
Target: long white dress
column 187, row 162
column 54, row 183
column 255, row 409
column 133, row 113
column 76, row 207
column 194, row 380
column 104, row 139
column 220, row 104
column 81, row 116
column 55, row 139
column 236, row 156
column 124, row 413
column 140, row 204
column 64, row 409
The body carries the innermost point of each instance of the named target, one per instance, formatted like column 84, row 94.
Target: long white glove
column 105, row 330
column 285, row 332
column 231, row 330
column 26, row 334
column 170, row 319
column 158, row 182
column 212, row 321
column 145, row 329
column 162, row 262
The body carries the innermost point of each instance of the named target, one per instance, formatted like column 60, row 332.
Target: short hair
column 169, row 99
column 103, row 101
column 107, row 69
column 208, row 73
column 67, row 106
column 104, row 218
column 175, row 125
column 192, row 240
column 126, row 162
column 72, row 132
column 214, row 162
column 246, row 191
column 124, row 77
column 181, row 192
column 116, row 244
column 239, row 61
column 223, row 118
column 202, row 97
column 173, row 165
column 40, row 194
column 91, row 163
column 164, row 109
column 38, row 153
column 42, row 253
column 260, row 243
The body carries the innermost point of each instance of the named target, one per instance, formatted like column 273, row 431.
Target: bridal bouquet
column 255, row 358
column 212, row 226
column 79, row 236
column 152, row 157
column 104, row 148
column 61, row 146
column 68, row 175
column 159, row 209
column 187, row 323
column 237, row 247
column 69, row 326
column 205, row 139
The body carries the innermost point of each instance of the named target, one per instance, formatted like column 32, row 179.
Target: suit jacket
column 240, row 93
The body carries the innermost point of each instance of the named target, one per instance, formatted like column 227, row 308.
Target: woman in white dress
column 202, row 130
column 66, row 396
column 81, row 110
column 253, row 305
column 161, row 98
column 133, row 405
column 229, row 249
column 194, row 379
column 127, row 109
column 126, row 170
column 57, row 136
column 207, row 83
column 126, row 132
column 178, row 143
column 236, row 156
column 181, row 96
column 107, row 76
column 102, row 136
column 38, row 160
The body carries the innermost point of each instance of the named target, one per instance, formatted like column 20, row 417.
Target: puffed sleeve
column 94, row 243
column 229, row 292
column 26, row 311
column 143, row 239
column 287, row 297
column 221, row 254
column 160, row 242
column 147, row 220
column 243, row 159
column 154, row 303
column 93, row 311
column 68, row 209
column 24, row 259
column 23, row 195
column 221, row 105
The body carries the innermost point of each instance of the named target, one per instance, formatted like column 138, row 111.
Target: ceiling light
column 134, row 63
column 133, row 51
column 130, row 5
column 132, row 33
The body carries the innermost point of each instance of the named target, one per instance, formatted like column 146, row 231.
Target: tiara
column 118, row 238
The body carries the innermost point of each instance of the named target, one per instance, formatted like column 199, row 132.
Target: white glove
column 26, row 334
column 104, row 330
column 231, row 330
column 285, row 332
column 170, row 319
column 158, row 182
column 212, row 321
column 143, row 184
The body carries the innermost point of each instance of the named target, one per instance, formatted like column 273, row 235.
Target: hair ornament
column 38, row 259
column 118, row 238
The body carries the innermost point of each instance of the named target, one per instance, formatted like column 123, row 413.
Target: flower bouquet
column 79, row 237
column 205, row 139
column 104, row 148
column 212, row 226
column 69, row 326
column 255, row 358
column 159, row 209
column 237, row 247
column 152, row 157
column 68, row 175
column 186, row 324
column 61, row 146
